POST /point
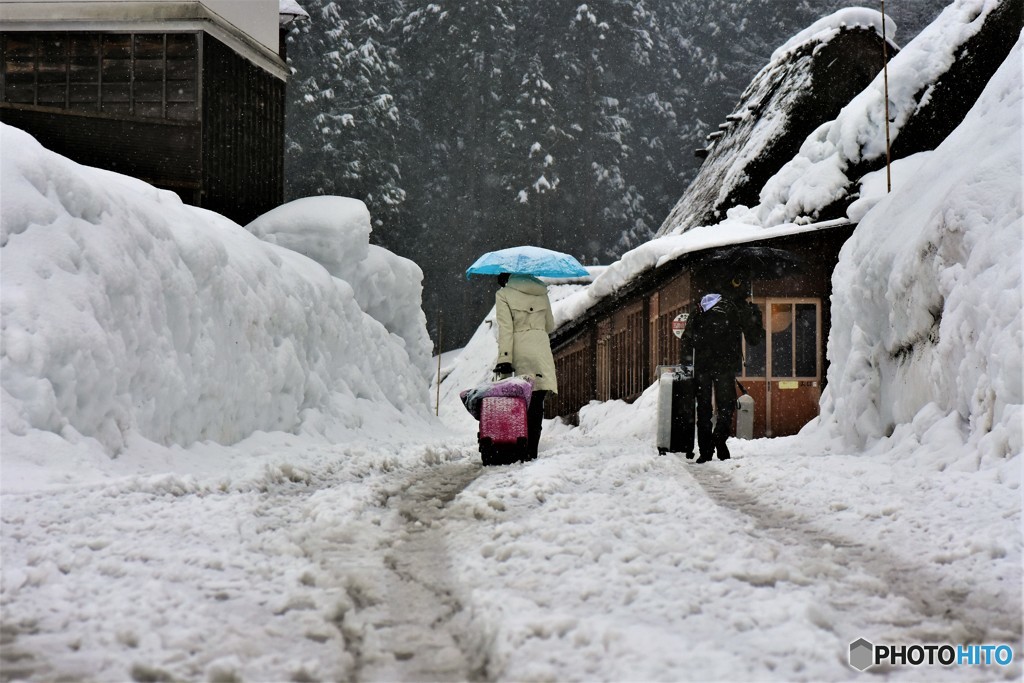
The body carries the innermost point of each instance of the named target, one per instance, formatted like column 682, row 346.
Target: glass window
column 84, row 72
column 181, row 76
column 781, row 321
column 755, row 355
column 806, row 342
column 52, row 70
column 117, row 58
column 145, row 74
column 19, row 69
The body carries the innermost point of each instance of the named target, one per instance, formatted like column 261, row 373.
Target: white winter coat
column 524, row 322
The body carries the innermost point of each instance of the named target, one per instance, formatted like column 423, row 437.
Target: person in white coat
column 523, row 312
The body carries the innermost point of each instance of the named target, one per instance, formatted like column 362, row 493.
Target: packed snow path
column 862, row 571
column 418, row 620
column 599, row 561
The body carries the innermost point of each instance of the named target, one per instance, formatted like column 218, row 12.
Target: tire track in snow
column 934, row 608
column 421, row 622
column 344, row 566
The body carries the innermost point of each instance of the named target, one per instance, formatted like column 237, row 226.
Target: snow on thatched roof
column 808, row 81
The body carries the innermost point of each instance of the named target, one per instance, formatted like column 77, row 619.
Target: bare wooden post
column 437, row 404
column 885, row 81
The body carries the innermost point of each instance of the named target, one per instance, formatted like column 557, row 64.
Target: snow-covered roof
column 291, row 11
column 819, row 175
column 619, row 276
column 808, row 81
column 825, row 29
column 963, row 46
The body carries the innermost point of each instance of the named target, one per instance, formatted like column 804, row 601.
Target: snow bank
column 128, row 314
column 335, row 232
column 473, row 366
column 816, row 177
column 926, row 338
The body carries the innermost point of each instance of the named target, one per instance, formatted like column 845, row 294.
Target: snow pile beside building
column 335, row 232
column 127, row 313
column 926, row 339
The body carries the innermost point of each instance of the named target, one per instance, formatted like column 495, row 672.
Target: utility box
column 745, row 417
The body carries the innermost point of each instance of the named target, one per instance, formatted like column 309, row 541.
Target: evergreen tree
column 345, row 119
column 531, row 137
column 455, row 52
column 606, row 60
column 471, row 125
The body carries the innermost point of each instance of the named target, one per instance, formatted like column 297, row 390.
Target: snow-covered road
column 599, row 561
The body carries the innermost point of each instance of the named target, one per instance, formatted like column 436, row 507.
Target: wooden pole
column 437, row 404
column 885, row 81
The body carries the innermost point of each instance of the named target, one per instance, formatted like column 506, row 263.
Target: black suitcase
column 676, row 410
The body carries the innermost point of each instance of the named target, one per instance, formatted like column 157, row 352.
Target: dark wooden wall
column 126, row 102
column 164, row 153
column 179, row 110
column 243, row 135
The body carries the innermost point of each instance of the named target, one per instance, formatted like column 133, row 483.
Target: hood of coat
column 527, row 284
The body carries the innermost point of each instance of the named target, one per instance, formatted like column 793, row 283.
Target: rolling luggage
column 501, row 407
column 676, row 410
column 503, row 435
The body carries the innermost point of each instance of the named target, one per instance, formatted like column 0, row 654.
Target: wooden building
column 613, row 351
column 188, row 96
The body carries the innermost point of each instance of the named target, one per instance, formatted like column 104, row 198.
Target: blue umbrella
column 527, row 260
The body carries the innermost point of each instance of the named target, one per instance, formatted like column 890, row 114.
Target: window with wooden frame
column 143, row 75
column 792, row 341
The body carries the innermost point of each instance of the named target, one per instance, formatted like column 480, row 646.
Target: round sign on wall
column 679, row 324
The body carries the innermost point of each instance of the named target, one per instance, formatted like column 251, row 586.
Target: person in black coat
column 712, row 344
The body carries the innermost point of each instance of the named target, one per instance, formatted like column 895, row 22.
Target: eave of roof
column 677, row 254
column 139, row 15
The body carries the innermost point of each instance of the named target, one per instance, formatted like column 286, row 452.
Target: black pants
column 723, row 385
column 535, row 420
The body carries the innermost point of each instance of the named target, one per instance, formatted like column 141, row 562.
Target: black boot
column 704, row 457
column 723, row 450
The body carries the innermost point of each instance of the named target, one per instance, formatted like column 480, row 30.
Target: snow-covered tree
column 344, row 118
column 468, row 125
column 533, row 142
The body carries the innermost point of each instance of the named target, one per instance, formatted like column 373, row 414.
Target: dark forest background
column 472, row 125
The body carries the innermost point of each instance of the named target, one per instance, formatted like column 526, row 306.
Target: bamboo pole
column 437, row 403
column 885, row 81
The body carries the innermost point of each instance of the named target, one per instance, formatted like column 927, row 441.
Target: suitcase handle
column 682, row 371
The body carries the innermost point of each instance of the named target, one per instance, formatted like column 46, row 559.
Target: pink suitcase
column 503, row 433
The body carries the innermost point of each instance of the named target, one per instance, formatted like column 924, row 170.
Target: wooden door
column 783, row 373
